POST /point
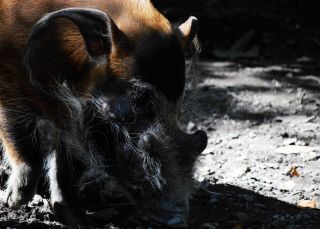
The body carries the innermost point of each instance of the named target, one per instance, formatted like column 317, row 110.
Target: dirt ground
column 261, row 168
column 263, row 157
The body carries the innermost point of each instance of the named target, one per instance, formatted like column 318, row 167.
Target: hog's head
column 154, row 159
column 133, row 67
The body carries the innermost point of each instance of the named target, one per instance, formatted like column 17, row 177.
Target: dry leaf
column 293, row 172
column 238, row 226
column 307, row 204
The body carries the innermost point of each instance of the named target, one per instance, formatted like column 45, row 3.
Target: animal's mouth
column 167, row 213
column 171, row 217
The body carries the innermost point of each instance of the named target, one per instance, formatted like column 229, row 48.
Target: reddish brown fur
column 133, row 17
column 61, row 98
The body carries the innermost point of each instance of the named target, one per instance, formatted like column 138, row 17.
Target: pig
column 96, row 85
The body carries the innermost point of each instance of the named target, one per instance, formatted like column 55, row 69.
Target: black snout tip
column 201, row 141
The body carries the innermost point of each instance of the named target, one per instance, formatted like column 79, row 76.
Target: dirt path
column 263, row 122
column 263, row 157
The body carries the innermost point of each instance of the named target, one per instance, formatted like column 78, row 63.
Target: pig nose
column 174, row 221
column 168, row 214
column 200, row 141
column 194, row 143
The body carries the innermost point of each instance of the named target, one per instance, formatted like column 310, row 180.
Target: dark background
column 265, row 30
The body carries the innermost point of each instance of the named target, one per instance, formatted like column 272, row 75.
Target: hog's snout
column 199, row 141
column 168, row 213
column 169, row 155
column 194, row 143
column 175, row 220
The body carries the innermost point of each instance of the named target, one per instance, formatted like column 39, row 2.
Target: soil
column 261, row 167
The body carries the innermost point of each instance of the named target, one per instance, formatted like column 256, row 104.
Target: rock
column 209, row 226
column 289, row 141
column 235, row 136
column 249, row 198
column 312, row 156
column 305, row 59
column 252, row 134
column 307, row 204
column 293, row 149
column 243, row 218
column 177, row 221
column 276, row 84
column 289, row 185
column 238, row 170
column 191, row 126
column 36, row 201
column 214, row 200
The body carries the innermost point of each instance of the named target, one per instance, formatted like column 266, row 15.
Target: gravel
column 261, row 168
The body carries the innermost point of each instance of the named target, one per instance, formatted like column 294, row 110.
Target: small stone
column 304, row 59
column 243, row 217
column 289, row 141
column 214, row 200
column 307, row 204
column 252, row 135
column 289, row 75
column 209, row 226
column 176, row 221
column 191, row 126
column 249, row 198
column 289, row 185
column 293, row 149
column 276, row 84
column 234, row 136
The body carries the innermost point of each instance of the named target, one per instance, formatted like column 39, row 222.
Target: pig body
column 96, row 85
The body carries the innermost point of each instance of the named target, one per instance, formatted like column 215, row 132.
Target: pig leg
column 24, row 157
column 64, row 190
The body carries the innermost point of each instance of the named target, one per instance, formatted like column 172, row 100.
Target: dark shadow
column 216, row 100
column 16, row 224
column 213, row 101
column 283, row 30
column 219, row 205
column 305, row 79
column 227, row 206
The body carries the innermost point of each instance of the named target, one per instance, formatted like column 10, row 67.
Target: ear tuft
column 188, row 31
column 66, row 44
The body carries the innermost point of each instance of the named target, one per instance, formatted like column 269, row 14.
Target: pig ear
column 188, row 31
column 66, row 44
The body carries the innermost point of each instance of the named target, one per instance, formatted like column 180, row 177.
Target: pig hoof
column 21, row 188
column 17, row 196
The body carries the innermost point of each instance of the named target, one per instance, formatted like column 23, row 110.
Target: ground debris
column 307, row 204
column 293, row 172
column 261, row 166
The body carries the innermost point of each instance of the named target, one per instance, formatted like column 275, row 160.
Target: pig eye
column 124, row 110
column 144, row 99
column 146, row 105
column 129, row 117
